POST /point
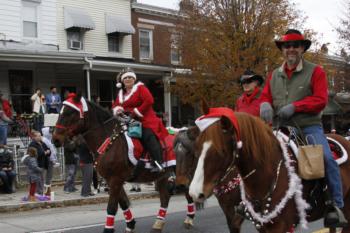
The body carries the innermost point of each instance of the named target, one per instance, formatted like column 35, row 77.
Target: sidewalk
column 13, row 202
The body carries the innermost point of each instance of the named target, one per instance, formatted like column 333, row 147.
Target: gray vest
column 286, row 91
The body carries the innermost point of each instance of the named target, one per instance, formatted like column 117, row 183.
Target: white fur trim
column 71, row 105
column 117, row 110
column 128, row 74
column 123, row 98
column 342, row 159
column 239, row 144
column 138, row 113
column 118, row 85
column 295, row 188
column 206, row 122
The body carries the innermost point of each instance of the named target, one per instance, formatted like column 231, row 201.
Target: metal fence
column 21, row 178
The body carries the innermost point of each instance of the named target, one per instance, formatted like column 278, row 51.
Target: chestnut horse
column 272, row 192
column 96, row 124
column 226, row 190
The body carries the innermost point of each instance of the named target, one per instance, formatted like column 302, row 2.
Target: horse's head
column 185, row 159
column 214, row 149
column 70, row 121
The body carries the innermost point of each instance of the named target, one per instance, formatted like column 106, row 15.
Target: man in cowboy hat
column 297, row 92
column 249, row 101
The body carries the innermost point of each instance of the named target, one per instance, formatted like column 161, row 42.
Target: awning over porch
column 75, row 17
column 115, row 24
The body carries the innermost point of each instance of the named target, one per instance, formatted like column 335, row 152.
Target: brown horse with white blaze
column 96, row 124
column 273, row 193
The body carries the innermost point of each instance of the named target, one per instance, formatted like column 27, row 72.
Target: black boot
column 139, row 166
column 334, row 217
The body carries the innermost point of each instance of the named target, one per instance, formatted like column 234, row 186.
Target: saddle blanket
column 338, row 151
column 135, row 150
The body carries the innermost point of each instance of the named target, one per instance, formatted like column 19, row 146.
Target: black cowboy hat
column 252, row 76
column 293, row 35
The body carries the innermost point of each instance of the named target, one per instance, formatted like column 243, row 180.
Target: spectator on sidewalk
column 47, row 136
column 44, row 153
column 71, row 163
column 53, row 101
column 5, row 118
column 39, row 109
column 34, row 172
column 7, row 173
column 86, row 166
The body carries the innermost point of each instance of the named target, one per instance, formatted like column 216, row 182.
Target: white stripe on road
column 69, row 228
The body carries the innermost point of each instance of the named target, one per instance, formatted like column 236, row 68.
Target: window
column 174, row 50
column 146, row 47
column 21, row 90
column 114, row 42
column 75, row 39
column 30, row 19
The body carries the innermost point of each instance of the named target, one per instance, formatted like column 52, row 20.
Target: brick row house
column 82, row 45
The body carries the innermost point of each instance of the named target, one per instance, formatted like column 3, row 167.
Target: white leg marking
column 196, row 186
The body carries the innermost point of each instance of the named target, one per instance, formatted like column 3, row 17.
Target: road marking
column 68, row 228
column 324, row 230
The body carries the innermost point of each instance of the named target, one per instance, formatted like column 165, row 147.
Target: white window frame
column 37, row 7
column 174, row 46
column 150, row 33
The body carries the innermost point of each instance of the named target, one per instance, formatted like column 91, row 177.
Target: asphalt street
column 91, row 218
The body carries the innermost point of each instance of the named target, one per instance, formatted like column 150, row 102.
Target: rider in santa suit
column 135, row 98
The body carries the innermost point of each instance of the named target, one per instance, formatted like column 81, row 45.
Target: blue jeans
column 331, row 167
column 3, row 134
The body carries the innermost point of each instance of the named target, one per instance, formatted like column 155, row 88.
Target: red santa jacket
column 249, row 104
column 140, row 101
column 7, row 108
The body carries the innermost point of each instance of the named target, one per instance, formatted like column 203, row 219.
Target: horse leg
column 164, row 202
column 112, row 206
column 188, row 223
column 124, row 203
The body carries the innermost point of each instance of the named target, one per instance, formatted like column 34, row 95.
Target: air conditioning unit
column 75, row 44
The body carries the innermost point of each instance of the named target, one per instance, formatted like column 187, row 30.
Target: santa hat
column 214, row 115
column 123, row 76
column 80, row 106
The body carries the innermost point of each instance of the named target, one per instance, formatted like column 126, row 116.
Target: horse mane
column 101, row 113
column 259, row 142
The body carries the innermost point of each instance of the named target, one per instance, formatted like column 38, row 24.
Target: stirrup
column 158, row 167
column 334, row 218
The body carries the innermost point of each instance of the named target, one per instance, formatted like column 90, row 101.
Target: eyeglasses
column 294, row 44
column 246, row 81
column 128, row 77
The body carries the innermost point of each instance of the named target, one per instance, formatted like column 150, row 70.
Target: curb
column 71, row 202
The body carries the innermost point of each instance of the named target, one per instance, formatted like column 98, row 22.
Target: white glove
column 117, row 110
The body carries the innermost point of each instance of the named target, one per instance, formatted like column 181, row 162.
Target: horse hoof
column 188, row 223
column 158, row 226
column 106, row 230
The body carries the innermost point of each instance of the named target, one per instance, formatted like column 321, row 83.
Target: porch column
column 88, row 87
column 167, row 98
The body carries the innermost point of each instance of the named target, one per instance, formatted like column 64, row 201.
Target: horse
column 226, row 190
column 273, row 194
column 96, row 124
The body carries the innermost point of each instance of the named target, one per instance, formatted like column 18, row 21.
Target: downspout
column 88, row 86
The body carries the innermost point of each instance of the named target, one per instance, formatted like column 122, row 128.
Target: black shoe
column 132, row 190
column 334, row 218
column 138, row 190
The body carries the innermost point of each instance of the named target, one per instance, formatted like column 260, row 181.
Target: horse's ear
column 205, row 107
column 77, row 98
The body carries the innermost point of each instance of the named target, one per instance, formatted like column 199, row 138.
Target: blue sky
column 323, row 16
